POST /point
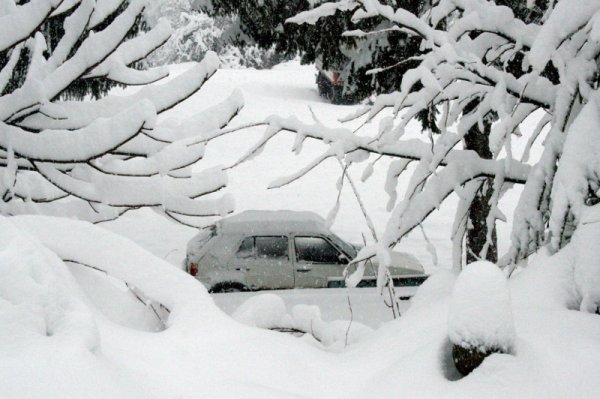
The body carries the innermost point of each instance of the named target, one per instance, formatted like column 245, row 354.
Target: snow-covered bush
column 88, row 246
column 480, row 321
column 97, row 159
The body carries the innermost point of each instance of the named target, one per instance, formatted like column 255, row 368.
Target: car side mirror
column 343, row 259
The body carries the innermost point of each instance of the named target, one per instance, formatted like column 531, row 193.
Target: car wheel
column 227, row 288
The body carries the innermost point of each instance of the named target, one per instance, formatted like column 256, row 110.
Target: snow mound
column 547, row 282
column 480, row 309
column 38, row 297
column 269, row 311
column 263, row 311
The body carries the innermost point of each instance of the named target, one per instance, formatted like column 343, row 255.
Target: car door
column 317, row 262
column 265, row 261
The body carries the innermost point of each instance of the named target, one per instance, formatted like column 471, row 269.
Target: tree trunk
column 479, row 210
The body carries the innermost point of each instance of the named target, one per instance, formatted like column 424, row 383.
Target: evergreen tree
column 268, row 24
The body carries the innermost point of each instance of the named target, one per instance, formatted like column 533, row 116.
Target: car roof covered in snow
column 273, row 222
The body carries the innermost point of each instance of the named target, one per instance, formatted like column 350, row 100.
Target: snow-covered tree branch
column 486, row 68
column 96, row 159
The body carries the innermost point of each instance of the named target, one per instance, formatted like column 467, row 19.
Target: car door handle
column 303, row 270
column 243, row 269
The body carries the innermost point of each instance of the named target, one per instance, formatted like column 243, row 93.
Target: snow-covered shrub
column 97, row 159
column 89, row 246
column 480, row 321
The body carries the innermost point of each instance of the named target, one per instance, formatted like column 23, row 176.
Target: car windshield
column 348, row 249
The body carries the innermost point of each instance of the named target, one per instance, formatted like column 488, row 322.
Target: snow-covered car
column 257, row 250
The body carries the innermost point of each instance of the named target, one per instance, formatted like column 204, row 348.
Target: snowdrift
column 57, row 342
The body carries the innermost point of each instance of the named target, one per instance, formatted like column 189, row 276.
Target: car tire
column 228, row 288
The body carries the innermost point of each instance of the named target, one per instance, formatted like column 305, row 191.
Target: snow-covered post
column 480, row 321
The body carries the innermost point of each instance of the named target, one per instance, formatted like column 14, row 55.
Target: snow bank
column 480, row 309
column 437, row 287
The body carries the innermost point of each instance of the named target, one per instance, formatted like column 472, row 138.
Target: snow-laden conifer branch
column 96, row 160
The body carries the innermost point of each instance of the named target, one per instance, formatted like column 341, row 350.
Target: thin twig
column 351, row 318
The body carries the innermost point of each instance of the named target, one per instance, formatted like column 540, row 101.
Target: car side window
column 275, row 247
column 246, row 249
column 316, row 250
